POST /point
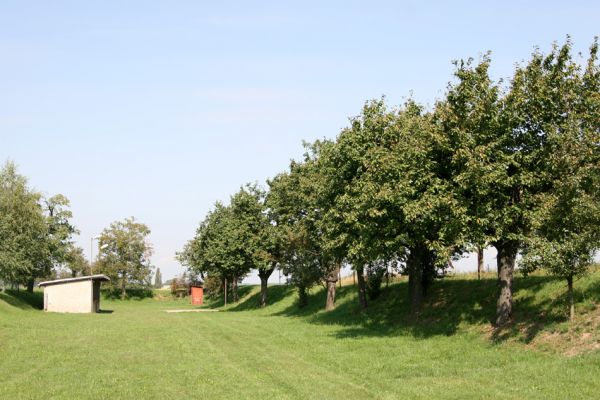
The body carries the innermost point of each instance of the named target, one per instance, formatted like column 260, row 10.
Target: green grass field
column 138, row 351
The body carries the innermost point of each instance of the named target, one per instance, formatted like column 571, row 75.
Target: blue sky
column 158, row 109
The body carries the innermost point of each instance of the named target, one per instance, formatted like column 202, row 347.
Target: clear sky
column 158, row 109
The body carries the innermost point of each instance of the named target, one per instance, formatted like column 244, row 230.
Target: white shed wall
column 72, row 297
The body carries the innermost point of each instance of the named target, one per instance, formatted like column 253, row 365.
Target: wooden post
column 387, row 275
column 479, row 261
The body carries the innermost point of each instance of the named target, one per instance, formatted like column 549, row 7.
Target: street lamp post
column 92, row 254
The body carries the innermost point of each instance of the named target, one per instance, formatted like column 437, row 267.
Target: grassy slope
column 279, row 352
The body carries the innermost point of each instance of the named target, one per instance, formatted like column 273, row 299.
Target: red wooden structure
column 197, row 295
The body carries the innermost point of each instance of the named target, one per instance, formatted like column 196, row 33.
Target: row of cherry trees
column 514, row 165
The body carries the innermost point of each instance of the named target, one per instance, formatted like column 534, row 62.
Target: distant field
column 138, row 351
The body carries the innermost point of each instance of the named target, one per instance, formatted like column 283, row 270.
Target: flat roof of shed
column 78, row 279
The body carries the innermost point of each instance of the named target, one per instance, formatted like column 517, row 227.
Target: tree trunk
column 302, row 296
column 30, row 285
column 225, row 292
column 264, row 278
column 331, row 281
column 571, row 298
column 479, row 261
column 362, row 287
column 123, row 293
column 387, row 275
column 415, row 266
column 507, row 254
column 234, row 289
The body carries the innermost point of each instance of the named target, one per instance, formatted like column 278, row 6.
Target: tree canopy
column 509, row 163
column 124, row 253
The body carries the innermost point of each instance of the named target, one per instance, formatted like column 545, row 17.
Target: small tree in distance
column 158, row 279
column 124, row 254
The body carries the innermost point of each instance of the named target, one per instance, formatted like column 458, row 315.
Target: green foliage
column 75, row 261
column 35, row 233
column 566, row 224
column 515, row 165
column 213, row 286
column 23, row 230
column 387, row 175
column 521, row 154
column 124, row 254
column 134, row 292
column 234, row 239
column 375, row 274
column 297, row 206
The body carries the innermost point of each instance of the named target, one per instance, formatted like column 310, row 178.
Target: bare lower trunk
column 507, row 253
column 362, row 288
column 225, row 292
column 302, row 296
column 414, row 265
column 234, row 289
column 263, row 292
column 123, row 292
column 331, row 281
column 479, row 261
column 30, row 283
column 264, row 278
column 387, row 276
column 571, row 298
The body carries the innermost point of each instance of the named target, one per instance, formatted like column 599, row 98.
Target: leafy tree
column 485, row 169
column 124, row 253
column 261, row 237
column 35, row 233
column 76, row 261
column 59, row 238
column 226, row 250
column 218, row 248
column 566, row 223
column 395, row 200
column 297, row 206
column 235, row 238
column 352, row 231
column 213, row 286
column 502, row 148
column 24, row 250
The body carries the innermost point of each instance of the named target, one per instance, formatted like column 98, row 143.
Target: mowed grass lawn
column 138, row 351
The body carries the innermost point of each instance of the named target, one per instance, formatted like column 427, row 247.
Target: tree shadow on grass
column 449, row 304
column 23, row 299
column 531, row 315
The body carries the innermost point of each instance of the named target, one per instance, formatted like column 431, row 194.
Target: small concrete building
column 73, row 295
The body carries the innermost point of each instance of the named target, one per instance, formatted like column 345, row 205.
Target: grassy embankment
column 136, row 350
